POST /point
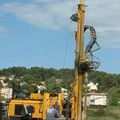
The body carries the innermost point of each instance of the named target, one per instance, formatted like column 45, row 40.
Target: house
column 92, row 87
column 96, row 99
column 41, row 88
column 3, row 78
column 6, row 92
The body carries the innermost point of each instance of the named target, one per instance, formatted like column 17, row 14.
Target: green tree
column 1, row 84
column 6, row 80
column 52, row 86
column 28, row 78
column 29, row 87
column 113, row 96
column 1, row 98
column 18, row 71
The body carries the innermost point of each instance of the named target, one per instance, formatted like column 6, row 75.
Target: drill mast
column 83, row 62
column 79, row 77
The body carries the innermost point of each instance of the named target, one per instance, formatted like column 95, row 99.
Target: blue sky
column 40, row 33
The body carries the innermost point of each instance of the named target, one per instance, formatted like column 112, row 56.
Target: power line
column 68, row 37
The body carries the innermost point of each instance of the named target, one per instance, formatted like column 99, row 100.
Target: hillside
column 36, row 75
column 30, row 78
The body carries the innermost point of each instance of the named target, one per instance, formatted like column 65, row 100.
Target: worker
column 52, row 113
column 57, row 106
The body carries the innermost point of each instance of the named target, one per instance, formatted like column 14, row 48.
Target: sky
column 40, row 33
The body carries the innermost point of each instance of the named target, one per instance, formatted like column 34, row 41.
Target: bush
column 1, row 98
column 113, row 96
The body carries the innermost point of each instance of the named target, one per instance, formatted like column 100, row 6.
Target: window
column 92, row 100
column 19, row 110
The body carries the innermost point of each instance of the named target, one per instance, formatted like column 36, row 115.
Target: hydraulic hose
column 93, row 38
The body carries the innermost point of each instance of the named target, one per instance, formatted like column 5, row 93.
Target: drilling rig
column 83, row 63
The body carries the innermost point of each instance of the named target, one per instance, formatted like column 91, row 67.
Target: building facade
column 97, row 99
column 6, row 92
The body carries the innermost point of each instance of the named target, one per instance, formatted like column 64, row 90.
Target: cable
column 93, row 38
column 66, row 49
column 68, row 38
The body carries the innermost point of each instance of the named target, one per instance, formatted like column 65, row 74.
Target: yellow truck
column 34, row 108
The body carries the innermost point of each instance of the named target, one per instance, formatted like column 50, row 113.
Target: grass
column 100, row 113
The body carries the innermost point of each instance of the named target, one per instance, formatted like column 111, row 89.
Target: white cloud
column 104, row 16
column 45, row 14
column 54, row 14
